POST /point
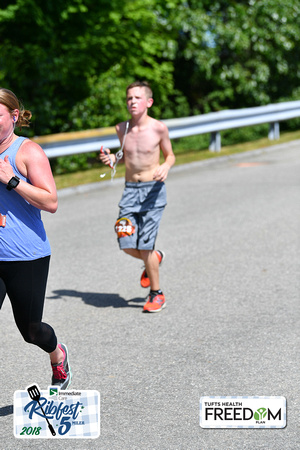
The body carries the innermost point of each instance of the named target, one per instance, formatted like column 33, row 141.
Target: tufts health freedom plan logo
column 242, row 412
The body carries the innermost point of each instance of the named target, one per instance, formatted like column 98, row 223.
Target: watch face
column 13, row 182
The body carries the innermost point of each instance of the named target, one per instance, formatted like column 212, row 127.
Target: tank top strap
column 14, row 147
column 11, row 152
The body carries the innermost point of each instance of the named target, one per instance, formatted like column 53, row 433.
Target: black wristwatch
column 13, row 183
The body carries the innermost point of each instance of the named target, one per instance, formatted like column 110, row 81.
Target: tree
column 238, row 54
column 135, row 44
column 70, row 61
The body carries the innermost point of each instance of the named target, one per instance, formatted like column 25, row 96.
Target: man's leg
column 152, row 259
column 156, row 300
column 133, row 252
column 152, row 267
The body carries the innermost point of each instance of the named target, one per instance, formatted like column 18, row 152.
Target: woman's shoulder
column 31, row 152
column 30, row 146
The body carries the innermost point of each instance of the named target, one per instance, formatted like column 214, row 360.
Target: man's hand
column 105, row 157
column 161, row 172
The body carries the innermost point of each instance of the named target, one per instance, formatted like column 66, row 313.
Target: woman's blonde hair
column 9, row 99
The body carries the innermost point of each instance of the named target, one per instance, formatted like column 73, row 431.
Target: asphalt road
column 230, row 327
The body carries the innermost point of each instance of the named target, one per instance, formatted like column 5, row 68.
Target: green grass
column 93, row 175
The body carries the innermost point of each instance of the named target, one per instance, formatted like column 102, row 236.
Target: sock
column 159, row 292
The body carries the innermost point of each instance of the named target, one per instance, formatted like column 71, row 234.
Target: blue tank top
column 23, row 237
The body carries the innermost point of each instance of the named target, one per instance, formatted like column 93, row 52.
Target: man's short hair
column 143, row 84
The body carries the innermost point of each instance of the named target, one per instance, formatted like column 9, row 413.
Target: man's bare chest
column 142, row 142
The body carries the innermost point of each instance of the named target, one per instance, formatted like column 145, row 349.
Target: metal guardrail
column 213, row 123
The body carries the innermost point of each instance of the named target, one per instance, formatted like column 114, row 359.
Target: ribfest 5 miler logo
column 56, row 414
column 242, row 412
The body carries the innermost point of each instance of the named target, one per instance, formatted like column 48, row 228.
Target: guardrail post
column 274, row 132
column 215, row 142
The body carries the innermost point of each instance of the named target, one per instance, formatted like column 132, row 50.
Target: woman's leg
column 25, row 283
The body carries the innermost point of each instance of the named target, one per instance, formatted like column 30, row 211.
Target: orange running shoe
column 156, row 302
column 145, row 282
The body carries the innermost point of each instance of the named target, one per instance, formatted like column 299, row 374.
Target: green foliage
column 190, row 143
column 73, row 163
column 70, row 61
column 245, row 134
column 238, row 54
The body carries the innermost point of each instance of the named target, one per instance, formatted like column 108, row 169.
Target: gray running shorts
column 141, row 208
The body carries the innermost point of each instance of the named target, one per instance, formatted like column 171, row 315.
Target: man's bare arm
column 162, row 171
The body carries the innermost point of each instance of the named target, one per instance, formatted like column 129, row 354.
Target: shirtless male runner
column 144, row 196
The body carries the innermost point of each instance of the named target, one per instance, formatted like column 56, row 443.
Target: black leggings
column 25, row 284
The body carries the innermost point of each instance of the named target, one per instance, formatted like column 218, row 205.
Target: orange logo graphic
column 124, row 227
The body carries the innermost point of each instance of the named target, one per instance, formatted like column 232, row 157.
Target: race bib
column 124, row 227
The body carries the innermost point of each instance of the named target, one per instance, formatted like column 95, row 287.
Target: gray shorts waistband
column 142, row 183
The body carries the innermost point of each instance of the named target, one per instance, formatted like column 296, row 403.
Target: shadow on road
column 6, row 410
column 99, row 300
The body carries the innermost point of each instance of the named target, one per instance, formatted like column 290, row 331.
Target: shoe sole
column 155, row 310
column 163, row 257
